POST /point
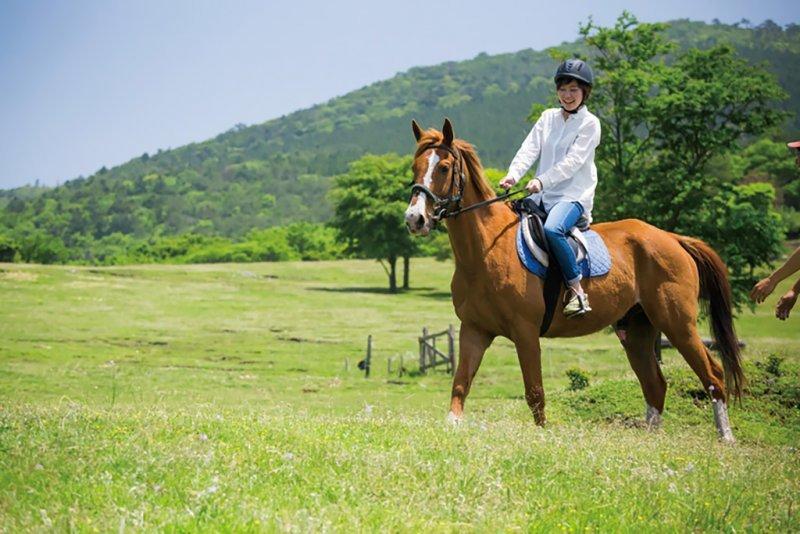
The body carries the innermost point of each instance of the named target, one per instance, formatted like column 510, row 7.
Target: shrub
column 315, row 241
column 578, row 379
column 773, row 365
column 8, row 249
column 41, row 247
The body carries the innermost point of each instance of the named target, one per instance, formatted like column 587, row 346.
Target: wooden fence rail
column 431, row 356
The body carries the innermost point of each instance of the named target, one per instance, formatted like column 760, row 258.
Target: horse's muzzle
column 417, row 224
column 417, row 221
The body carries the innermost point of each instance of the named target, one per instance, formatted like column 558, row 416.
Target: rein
column 440, row 205
column 484, row 203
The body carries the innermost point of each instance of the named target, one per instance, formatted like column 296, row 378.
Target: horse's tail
column 716, row 290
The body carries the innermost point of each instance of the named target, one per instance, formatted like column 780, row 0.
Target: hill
column 279, row 171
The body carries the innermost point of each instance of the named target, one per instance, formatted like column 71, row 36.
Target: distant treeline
column 114, row 236
column 297, row 241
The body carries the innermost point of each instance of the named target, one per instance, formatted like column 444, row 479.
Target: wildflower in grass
column 45, row 519
column 212, row 489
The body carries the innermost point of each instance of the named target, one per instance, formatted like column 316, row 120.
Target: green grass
column 226, row 397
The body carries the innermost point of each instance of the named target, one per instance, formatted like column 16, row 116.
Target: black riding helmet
column 576, row 69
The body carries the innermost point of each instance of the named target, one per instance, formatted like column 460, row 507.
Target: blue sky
column 90, row 83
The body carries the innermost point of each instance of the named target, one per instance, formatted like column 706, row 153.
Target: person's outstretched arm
column 765, row 287
column 527, row 154
column 786, row 302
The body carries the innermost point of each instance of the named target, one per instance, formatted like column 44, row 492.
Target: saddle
column 591, row 253
column 533, row 218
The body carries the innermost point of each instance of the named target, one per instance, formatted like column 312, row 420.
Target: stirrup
column 577, row 305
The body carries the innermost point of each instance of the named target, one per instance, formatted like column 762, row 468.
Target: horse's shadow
column 427, row 292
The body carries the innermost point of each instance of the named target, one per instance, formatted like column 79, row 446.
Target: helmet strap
column 574, row 111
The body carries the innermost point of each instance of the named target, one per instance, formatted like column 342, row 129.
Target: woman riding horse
column 563, row 140
column 655, row 280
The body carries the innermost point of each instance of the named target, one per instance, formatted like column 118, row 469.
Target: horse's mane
column 472, row 162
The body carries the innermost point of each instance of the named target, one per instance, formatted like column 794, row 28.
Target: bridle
column 441, row 206
column 450, row 206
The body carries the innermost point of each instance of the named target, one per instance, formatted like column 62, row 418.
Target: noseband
column 449, row 206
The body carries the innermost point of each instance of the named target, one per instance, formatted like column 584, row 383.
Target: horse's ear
column 447, row 130
column 417, row 129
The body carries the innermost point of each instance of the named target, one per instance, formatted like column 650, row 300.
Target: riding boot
column 576, row 305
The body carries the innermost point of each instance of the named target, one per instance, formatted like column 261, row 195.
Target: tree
column 41, row 247
column 369, row 203
column 8, row 249
column 770, row 161
column 629, row 58
column 664, row 123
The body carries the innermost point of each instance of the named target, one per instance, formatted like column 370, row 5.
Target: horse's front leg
column 472, row 344
column 529, row 353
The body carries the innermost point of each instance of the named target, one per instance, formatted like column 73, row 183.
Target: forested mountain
column 279, row 171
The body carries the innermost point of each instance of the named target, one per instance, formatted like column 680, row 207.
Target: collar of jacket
column 578, row 112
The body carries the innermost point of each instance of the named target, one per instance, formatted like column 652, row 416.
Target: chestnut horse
column 655, row 275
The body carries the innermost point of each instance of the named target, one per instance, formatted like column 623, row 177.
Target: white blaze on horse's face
column 417, row 218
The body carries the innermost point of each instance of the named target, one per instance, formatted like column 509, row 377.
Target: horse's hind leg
column 676, row 316
column 639, row 343
column 711, row 375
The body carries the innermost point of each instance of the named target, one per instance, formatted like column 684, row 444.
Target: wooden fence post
column 451, row 347
column 657, row 348
column 423, row 349
column 368, row 359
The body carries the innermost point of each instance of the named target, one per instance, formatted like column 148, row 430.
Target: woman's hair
column 585, row 87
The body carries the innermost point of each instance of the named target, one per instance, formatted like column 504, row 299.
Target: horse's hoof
column 721, row 419
column 652, row 418
column 453, row 419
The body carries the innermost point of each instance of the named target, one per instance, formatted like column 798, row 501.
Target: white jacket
column 565, row 150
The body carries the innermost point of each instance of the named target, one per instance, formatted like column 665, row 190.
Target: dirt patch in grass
column 18, row 276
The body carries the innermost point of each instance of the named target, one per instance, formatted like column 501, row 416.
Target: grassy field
column 226, row 397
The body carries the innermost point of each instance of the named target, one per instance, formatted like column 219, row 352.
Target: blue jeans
column 560, row 220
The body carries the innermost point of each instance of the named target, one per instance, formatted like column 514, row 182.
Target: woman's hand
column 507, row 182
column 785, row 304
column 534, row 186
column 762, row 290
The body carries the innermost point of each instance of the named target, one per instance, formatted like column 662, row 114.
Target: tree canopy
column 369, row 201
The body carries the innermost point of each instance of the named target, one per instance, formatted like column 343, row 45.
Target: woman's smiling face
column 570, row 95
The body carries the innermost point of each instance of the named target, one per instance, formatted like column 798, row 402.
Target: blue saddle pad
column 597, row 263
